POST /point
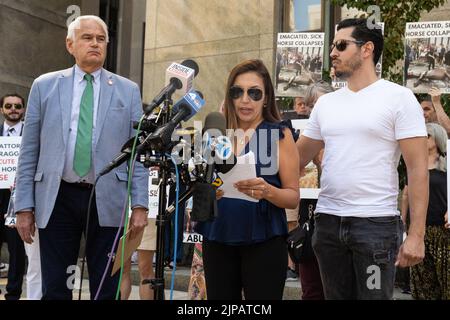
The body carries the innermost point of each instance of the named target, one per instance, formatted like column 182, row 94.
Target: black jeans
column 257, row 269
column 357, row 255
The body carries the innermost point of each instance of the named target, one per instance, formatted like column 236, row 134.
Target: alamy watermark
column 374, row 280
column 74, row 12
column 74, row 279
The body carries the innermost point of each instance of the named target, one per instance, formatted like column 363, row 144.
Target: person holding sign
column 13, row 110
column 364, row 127
column 441, row 116
column 77, row 120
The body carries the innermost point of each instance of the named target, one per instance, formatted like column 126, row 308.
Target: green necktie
column 83, row 146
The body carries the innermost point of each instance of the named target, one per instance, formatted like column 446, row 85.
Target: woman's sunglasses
column 254, row 93
column 341, row 45
column 16, row 106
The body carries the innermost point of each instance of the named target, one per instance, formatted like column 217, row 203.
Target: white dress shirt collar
column 17, row 129
column 79, row 74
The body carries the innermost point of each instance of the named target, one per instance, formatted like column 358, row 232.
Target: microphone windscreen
column 191, row 64
column 200, row 94
column 180, row 76
column 192, row 101
column 217, row 121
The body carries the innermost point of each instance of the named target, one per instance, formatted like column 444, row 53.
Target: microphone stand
column 164, row 215
column 161, row 220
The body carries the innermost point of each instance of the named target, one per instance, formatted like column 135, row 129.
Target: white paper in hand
column 243, row 170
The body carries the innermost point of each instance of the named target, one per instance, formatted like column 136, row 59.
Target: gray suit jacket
column 45, row 135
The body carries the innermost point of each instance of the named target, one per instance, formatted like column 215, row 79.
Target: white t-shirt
column 360, row 131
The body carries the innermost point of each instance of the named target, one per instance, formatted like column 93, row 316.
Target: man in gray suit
column 77, row 121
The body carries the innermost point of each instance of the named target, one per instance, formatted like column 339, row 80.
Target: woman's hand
column 256, row 188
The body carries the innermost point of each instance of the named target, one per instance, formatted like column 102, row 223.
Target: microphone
column 217, row 151
column 121, row 158
column 184, row 72
column 187, row 106
column 195, row 101
column 217, row 147
column 178, row 76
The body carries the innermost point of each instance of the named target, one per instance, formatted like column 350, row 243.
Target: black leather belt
column 84, row 185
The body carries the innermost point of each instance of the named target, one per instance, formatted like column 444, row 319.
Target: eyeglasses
column 341, row 45
column 17, row 106
column 254, row 93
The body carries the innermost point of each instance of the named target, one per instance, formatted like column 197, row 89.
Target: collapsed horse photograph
column 299, row 63
column 427, row 59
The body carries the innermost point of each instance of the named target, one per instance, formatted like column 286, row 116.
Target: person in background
column 145, row 253
column 429, row 112
column 292, row 221
column 439, row 116
column 13, row 110
column 300, row 111
column 430, row 279
column 309, row 270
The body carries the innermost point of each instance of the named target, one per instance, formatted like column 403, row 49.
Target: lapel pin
column 110, row 82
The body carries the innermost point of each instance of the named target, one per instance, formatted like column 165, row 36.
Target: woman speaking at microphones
column 244, row 247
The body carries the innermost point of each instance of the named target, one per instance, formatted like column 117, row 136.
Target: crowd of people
column 433, row 55
column 77, row 120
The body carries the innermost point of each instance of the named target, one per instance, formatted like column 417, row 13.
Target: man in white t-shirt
column 364, row 128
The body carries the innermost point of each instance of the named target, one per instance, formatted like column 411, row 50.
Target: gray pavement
column 292, row 290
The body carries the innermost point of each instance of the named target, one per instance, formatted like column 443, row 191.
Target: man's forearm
column 308, row 149
column 404, row 204
column 418, row 201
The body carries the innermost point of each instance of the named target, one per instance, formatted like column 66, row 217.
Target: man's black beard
column 352, row 65
column 14, row 121
column 342, row 75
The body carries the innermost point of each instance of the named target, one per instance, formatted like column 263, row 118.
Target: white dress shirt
column 16, row 129
column 79, row 84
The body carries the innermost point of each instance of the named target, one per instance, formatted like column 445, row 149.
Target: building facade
column 219, row 34
column 33, row 36
column 147, row 35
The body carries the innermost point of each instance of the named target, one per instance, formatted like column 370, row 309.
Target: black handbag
column 299, row 242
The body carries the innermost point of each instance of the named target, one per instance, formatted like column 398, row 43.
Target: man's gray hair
column 76, row 24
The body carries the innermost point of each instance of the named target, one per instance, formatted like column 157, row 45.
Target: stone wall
column 32, row 34
column 441, row 13
column 216, row 34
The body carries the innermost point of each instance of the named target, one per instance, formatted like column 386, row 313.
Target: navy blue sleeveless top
column 241, row 222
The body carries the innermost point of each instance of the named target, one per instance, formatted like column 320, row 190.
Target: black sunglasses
column 254, row 93
column 16, row 106
column 341, row 45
